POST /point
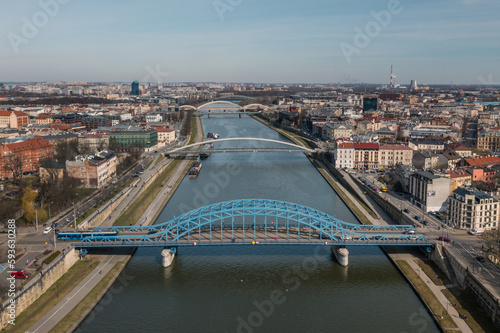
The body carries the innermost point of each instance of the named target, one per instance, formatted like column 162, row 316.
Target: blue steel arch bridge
column 254, row 221
column 287, row 147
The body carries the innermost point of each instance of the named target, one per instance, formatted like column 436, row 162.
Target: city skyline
column 252, row 41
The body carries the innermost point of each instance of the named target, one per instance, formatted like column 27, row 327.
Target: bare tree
column 399, row 133
column 66, row 151
column 492, row 241
column 84, row 148
column 15, row 165
column 102, row 145
column 50, row 183
column 465, row 124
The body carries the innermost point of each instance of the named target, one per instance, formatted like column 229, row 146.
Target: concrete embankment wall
column 442, row 256
column 40, row 284
column 462, row 276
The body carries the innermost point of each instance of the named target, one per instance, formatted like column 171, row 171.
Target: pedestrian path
column 436, row 290
column 409, row 258
column 58, row 312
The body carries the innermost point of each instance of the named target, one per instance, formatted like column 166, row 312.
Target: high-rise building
column 413, row 85
column 135, row 89
column 370, row 103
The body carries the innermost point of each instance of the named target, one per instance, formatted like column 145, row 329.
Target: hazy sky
column 431, row 41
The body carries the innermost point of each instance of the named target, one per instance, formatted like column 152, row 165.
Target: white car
column 47, row 230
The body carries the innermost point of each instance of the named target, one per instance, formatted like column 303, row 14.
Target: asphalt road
column 464, row 246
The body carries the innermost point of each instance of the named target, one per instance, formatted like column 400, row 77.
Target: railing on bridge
column 256, row 221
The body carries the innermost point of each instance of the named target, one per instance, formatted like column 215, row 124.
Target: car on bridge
column 47, row 230
column 444, row 239
column 418, row 218
column 406, row 210
column 480, row 258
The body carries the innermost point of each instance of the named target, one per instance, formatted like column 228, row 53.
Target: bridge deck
column 247, row 235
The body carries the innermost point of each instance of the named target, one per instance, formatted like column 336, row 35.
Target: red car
column 21, row 274
column 444, row 239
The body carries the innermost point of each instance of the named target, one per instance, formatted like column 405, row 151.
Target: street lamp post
column 74, row 214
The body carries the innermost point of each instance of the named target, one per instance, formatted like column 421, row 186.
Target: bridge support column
column 341, row 254
column 208, row 116
column 240, row 115
column 168, row 256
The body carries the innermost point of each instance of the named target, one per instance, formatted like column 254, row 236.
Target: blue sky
column 251, row 41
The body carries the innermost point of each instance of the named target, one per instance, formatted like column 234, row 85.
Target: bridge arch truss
column 256, row 221
column 183, row 149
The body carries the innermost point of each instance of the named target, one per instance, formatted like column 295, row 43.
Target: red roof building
column 26, row 155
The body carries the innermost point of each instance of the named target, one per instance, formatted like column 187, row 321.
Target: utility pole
column 74, row 214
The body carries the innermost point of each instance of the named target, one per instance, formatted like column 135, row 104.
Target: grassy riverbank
column 88, row 302
column 60, row 289
column 439, row 312
column 139, row 206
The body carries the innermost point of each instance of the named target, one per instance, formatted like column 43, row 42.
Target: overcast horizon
column 252, row 41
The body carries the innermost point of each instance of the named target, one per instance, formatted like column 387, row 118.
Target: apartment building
column 470, row 208
column 94, row 170
column 459, row 178
column 426, row 144
column 44, row 119
column 366, row 156
column 13, row 119
column 425, row 160
column 95, row 142
column 166, row 135
column 429, row 191
column 332, row 131
column 344, row 155
column 489, row 139
column 26, row 154
column 390, row 155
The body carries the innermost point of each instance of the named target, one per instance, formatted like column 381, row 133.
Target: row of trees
column 186, row 123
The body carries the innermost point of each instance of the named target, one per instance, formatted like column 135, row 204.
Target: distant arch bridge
column 224, row 107
column 293, row 147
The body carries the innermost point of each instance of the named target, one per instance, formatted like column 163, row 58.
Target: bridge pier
column 168, row 255
column 341, row 254
column 240, row 115
column 208, row 115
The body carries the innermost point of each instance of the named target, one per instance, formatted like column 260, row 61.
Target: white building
column 344, row 155
column 429, row 191
column 469, row 209
column 166, row 135
column 153, row 118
